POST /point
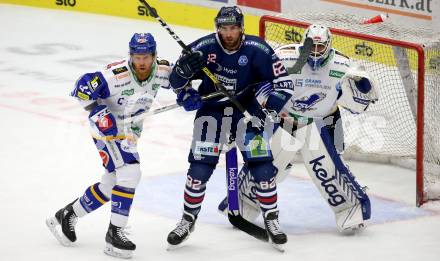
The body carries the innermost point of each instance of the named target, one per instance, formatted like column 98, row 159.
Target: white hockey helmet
column 322, row 44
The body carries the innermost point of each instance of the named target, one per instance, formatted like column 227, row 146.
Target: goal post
column 403, row 127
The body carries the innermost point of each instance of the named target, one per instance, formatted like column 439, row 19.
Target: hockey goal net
column 403, row 127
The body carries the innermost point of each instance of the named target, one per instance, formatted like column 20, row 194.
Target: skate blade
column 52, row 224
column 173, row 247
column 351, row 231
column 116, row 252
column 278, row 247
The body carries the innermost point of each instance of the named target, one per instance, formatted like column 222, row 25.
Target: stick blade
column 248, row 227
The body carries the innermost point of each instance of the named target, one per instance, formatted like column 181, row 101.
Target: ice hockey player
column 328, row 81
column 115, row 98
column 238, row 61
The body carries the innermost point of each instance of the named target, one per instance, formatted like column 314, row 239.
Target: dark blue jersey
column 254, row 62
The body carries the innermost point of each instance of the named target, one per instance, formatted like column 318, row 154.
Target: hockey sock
column 267, row 197
column 266, row 190
column 193, row 198
column 92, row 199
column 122, row 198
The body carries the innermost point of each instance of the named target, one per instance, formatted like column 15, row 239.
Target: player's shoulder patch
column 163, row 62
column 115, row 64
column 163, row 70
column 258, row 43
column 340, row 59
column 203, row 42
column 163, row 66
column 119, row 70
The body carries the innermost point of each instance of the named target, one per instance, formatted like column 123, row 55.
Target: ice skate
column 276, row 237
column 62, row 225
column 182, row 231
column 117, row 244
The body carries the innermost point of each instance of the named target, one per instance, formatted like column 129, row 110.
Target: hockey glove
column 104, row 120
column 189, row 64
column 190, row 99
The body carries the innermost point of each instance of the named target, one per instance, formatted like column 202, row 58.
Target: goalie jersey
column 315, row 92
column 126, row 97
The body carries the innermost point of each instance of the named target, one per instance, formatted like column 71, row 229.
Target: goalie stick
column 236, row 220
column 302, row 59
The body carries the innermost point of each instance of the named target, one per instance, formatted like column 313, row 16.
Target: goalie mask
column 322, row 44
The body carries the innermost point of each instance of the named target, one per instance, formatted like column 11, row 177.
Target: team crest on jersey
column 307, row 102
column 243, row 60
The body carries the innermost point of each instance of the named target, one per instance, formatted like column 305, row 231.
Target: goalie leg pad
column 284, row 147
column 332, row 178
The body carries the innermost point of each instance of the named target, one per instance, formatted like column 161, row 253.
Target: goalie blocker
column 328, row 171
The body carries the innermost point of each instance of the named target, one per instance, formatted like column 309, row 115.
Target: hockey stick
column 154, row 112
column 233, row 205
column 217, row 84
column 237, row 221
column 302, row 58
column 172, row 106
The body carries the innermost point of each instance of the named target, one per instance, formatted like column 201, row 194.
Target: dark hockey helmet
column 142, row 43
column 229, row 15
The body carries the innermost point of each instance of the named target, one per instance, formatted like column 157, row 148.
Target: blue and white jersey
column 117, row 87
column 315, row 92
column 254, row 62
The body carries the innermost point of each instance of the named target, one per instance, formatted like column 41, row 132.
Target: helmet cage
column 322, row 43
column 320, row 49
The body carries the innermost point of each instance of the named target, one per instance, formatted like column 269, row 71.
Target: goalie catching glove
column 358, row 90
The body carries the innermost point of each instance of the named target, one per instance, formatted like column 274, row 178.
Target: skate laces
column 182, row 227
column 274, row 226
column 121, row 234
column 72, row 222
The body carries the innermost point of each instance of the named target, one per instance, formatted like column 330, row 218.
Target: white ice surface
column 47, row 159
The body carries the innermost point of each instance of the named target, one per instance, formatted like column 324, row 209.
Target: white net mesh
column 388, row 130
